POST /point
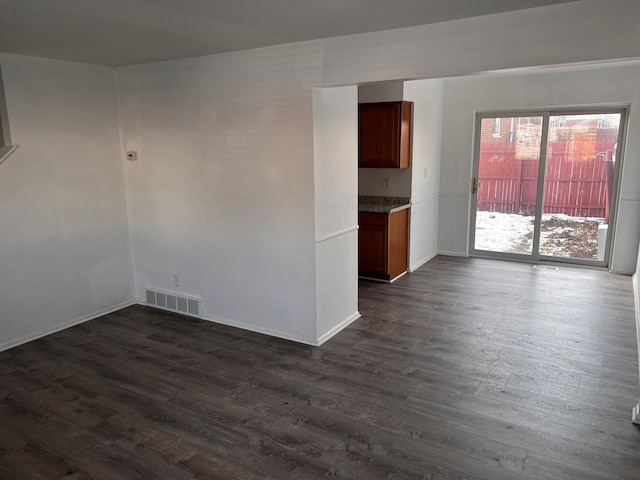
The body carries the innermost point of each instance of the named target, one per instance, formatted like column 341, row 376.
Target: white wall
column 222, row 193
column 589, row 30
column 427, row 96
column 335, row 150
column 398, row 179
column 464, row 97
column 335, row 146
column 392, row 91
column 337, row 284
column 64, row 247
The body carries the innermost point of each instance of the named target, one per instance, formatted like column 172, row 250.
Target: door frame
column 546, row 114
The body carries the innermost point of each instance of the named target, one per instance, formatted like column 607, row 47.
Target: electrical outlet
column 384, row 182
column 176, row 280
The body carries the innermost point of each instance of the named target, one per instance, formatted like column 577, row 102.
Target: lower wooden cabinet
column 383, row 244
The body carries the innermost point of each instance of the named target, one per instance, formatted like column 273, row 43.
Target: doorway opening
column 545, row 185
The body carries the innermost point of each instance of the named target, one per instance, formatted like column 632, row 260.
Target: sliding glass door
column 506, row 185
column 543, row 186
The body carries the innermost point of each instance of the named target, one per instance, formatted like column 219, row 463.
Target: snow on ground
column 504, row 232
column 561, row 235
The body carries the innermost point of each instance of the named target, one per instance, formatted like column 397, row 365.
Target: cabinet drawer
column 371, row 218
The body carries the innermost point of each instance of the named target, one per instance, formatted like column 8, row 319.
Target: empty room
column 209, row 268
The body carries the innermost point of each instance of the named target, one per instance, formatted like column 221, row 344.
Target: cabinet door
column 373, row 245
column 372, row 248
column 398, row 242
column 379, row 134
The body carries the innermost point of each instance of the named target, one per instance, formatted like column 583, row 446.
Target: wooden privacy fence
column 578, row 182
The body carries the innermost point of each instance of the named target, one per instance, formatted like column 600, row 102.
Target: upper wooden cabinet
column 384, row 135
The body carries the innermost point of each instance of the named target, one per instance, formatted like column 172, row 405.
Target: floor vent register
column 174, row 302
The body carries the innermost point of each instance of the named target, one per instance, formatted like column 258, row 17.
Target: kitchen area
column 384, row 146
column 399, row 138
column 376, row 217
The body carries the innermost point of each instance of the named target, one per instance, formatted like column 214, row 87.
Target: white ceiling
column 125, row 32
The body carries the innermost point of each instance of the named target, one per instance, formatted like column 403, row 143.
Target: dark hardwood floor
column 466, row 369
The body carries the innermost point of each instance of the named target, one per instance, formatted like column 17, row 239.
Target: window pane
column 581, row 151
column 507, row 184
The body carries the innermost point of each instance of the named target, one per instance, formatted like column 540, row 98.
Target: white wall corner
column 64, row 325
column 338, row 328
column 139, row 295
column 272, row 332
column 6, row 151
column 64, row 178
column 6, row 146
column 417, row 265
column 453, row 254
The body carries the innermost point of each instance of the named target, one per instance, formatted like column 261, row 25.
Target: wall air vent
column 174, row 302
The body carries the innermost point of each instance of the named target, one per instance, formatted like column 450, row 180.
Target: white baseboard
column 61, row 326
column 420, row 263
column 6, row 151
column 267, row 331
column 372, row 279
column 636, row 301
column 399, row 276
column 338, row 328
column 453, row 254
column 244, row 326
column 264, row 331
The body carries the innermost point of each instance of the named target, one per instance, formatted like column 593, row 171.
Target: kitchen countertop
column 382, row 204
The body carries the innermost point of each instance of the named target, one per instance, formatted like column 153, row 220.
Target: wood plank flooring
column 465, row 369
